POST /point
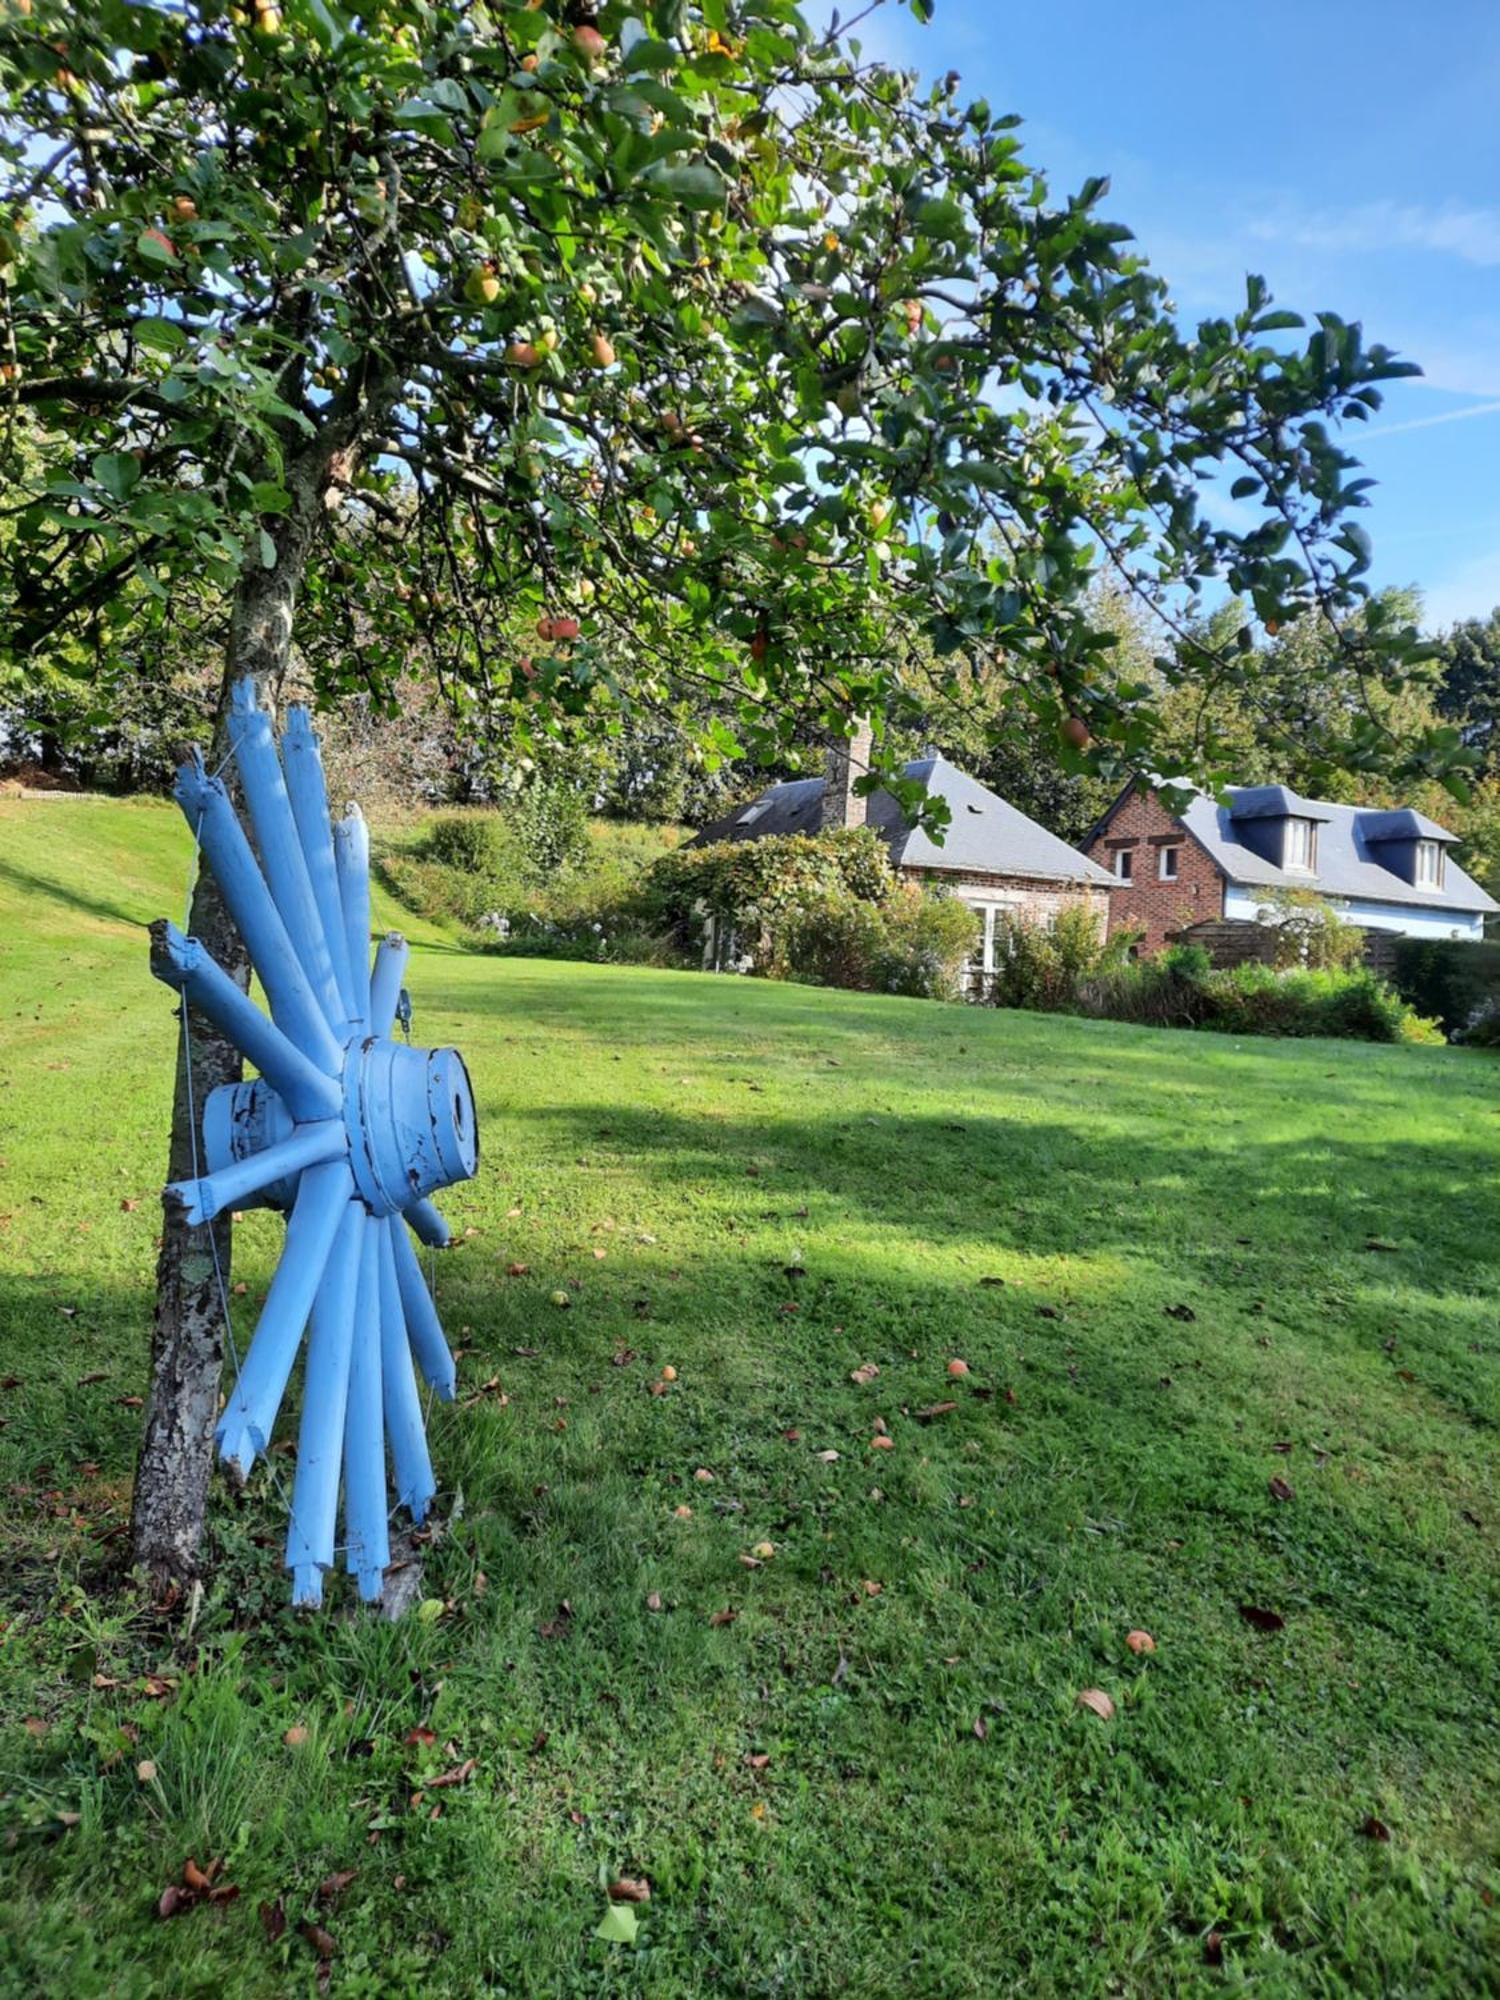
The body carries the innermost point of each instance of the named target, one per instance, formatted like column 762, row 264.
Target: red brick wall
column 1147, row 903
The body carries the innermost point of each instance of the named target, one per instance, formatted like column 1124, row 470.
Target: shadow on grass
column 69, row 896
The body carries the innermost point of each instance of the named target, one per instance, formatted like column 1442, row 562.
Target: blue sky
column 1348, row 152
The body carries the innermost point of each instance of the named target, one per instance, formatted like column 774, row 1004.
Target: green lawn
column 1178, row 1267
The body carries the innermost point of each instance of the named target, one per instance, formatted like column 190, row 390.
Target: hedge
column 1447, row 978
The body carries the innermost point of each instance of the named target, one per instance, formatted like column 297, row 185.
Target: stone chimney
column 848, row 761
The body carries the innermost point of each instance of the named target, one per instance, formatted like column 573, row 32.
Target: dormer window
column 1299, row 847
column 1429, row 874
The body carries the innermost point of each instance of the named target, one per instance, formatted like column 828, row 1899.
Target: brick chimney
column 848, row 761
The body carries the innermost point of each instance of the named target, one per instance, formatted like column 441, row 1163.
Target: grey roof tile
column 985, row 836
column 1350, row 839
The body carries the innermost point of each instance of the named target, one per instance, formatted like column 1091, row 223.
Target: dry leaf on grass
column 459, row 1775
column 1098, row 1703
column 1279, row 1489
column 630, row 1889
column 864, row 1374
column 1140, row 1642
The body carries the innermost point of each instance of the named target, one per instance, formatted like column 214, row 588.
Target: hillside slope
column 1228, row 1317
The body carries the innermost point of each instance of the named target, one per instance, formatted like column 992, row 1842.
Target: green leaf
column 649, row 54
column 618, row 1925
column 162, row 336
column 693, row 183
column 267, row 551
column 118, row 472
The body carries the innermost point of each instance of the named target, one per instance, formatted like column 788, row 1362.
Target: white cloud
column 1426, row 423
column 1470, row 234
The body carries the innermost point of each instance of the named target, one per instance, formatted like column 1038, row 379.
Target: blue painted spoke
column 415, row 1487
column 422, row 1324
column 245, row 1427
column 351, row 847
column 325, row 1393
column 280, row 847
column 308, row 1146
column 385, row 982
column 367, row 1547
column 429, row 1224
column 303, row 763
column 294, row 1005
column 184, row 964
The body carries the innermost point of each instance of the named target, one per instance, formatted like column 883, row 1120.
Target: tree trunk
column 170, row 1506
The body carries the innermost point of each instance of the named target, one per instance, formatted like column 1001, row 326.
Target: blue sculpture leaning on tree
column 344, row 1129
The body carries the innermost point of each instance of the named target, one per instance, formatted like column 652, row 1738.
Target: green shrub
column 474, row 842
column 1042, row 966
column 1180, row 989
column 1308, row 932
column 1482, row 1029
column 930, row 939
column 467, row 867
column 549, row 822
column 1256, row 1000
column 1452, row 979
column 826, row 908
column 771, row 891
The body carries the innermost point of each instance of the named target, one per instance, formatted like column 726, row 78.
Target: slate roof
column 985, row 835
column 1350, row 840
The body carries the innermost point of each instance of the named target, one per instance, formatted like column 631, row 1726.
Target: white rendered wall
column 1242, row 904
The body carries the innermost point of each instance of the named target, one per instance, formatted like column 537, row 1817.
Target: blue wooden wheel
column 346, row 1130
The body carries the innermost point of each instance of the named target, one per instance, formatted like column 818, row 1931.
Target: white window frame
column 1124, row 864
column 1169, row 851
column 1427, row 865
column 1305, row 832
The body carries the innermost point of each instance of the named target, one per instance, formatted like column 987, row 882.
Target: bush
column 473, row 842
column 549, row 822
column 1307, row 932
column 470, row 866
column 1042, row 966
column 1451, row 978
column 930, row 939
column 1482, row 1029
column 826, row 908
column 1063, row 970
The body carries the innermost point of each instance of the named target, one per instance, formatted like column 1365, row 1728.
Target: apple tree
column 678, row 334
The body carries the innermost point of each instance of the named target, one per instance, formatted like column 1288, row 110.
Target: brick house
column 1385, row 871
column 991, row 856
